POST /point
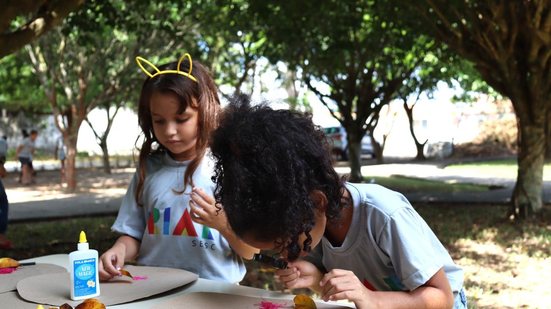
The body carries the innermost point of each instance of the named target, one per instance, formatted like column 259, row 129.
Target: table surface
column 200, row 285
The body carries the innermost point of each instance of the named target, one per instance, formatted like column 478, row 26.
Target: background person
column 24, row 153
column 5, row 243
column 60, row 154
column 3, row 149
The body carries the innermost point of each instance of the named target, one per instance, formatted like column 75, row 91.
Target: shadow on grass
column 488, row 223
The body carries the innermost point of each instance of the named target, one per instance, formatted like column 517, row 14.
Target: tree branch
column 48, row 15
column 322, row 98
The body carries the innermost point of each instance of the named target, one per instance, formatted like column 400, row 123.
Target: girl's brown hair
column 201, row 94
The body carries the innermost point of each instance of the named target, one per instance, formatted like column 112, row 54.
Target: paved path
column 33, row 205
column 504, row 183
column 65, row 206
column 47, row 200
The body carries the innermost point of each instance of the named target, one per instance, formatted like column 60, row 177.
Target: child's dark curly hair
column 267, row 164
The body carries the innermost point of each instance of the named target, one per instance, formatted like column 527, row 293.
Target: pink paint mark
column 7, row 270
column 136, row 278
column 269, row 305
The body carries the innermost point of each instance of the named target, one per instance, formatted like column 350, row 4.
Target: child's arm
column 125, row 249
column 240, row 247
column 204, row 211
column 343, row 284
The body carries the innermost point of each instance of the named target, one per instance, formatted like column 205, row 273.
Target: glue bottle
column 84, row 270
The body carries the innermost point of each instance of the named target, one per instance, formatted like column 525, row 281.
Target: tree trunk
column 419, row 146
column 377, row 149
column 70, row 164
column 548, row 136
column 528, row 191
column 354, row 148
column 354, row 151
column 105, row 151
column 420, row 151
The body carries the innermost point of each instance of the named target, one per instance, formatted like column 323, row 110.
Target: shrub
column 498, row 137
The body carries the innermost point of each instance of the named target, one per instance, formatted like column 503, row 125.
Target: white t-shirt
column 169, row 237
column 388, row 246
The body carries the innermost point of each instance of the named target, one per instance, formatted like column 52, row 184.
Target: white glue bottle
column 84, row 270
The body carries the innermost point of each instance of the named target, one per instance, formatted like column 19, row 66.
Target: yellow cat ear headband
column 139, row 60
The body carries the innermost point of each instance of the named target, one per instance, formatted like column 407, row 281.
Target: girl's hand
column 300, row 274
column 204, row 211
column 343, row 284
column 111, row 262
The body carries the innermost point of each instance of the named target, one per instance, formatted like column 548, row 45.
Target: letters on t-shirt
column 184, row 227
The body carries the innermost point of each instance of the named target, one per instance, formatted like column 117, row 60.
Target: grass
column 483, row 223
column 407, row 184
column 36, row 238
column 499, row 168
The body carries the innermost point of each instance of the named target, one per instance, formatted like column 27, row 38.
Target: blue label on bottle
column 85, row 277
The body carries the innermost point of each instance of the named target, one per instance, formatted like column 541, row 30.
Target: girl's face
column 176, row 132
column 316, row 233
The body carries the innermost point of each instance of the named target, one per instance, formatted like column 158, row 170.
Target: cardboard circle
column 53, row 289
column 230, row 301
column 12, row 301
column 8, row 282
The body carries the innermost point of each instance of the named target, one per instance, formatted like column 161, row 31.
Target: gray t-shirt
column 169, row 238
column 388, row 245
column 27, row 147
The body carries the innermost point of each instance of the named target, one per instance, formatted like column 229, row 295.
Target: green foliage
column 19, row 89
column 230, row 41
column 97, row 45
column 446, row 65
column 83, row 154
column 355, row 56
column 472, row 84
column 360, row 49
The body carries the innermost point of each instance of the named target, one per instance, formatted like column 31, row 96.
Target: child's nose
column 171, row 128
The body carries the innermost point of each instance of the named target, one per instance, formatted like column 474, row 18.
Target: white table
column 200, row 285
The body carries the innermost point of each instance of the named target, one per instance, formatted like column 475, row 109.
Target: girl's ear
column 319, row 199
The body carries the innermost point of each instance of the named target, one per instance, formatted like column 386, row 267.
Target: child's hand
column 204, row 211
column 343, row 284
column 111, row 262
column 300, row 274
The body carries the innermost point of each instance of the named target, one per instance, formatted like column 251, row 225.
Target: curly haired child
column 168, row 217
column 359, row 242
